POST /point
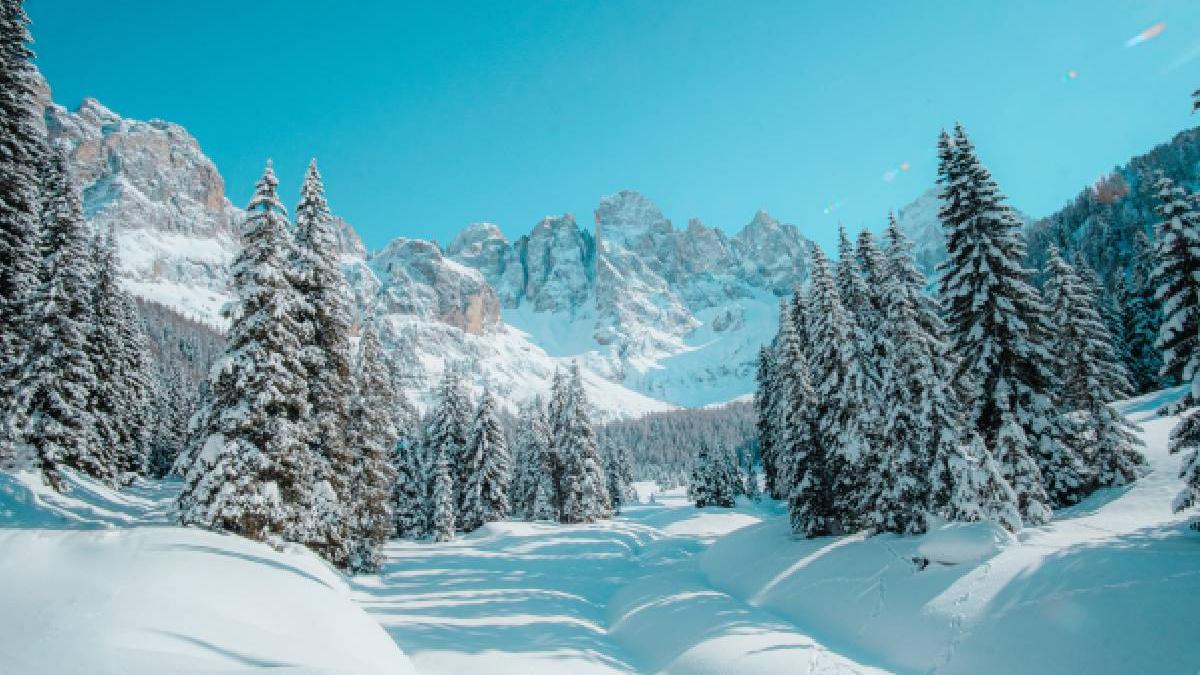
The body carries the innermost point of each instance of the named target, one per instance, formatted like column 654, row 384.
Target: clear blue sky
column 426, row 117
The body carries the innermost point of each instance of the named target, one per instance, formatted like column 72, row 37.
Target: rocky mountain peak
column 627, row 216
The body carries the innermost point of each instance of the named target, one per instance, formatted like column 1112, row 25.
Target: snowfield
column 84, row 591
column 97, row 582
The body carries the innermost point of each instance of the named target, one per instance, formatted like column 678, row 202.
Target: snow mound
column 89, row 583
column 958, row 543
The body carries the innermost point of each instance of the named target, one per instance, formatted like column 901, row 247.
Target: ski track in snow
column 615, row 597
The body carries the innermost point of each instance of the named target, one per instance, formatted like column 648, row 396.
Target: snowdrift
column 157, row 599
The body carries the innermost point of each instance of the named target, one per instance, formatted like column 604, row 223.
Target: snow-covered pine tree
column 851, row 284
column 371, row 438
column 583, row 488
column 827, row 499
column 547, row 493
column 1177, row 250
column 1092, row 376
column 713, row 482
column 488, row 467
column 931, row 400
column 448, row 427
column 900, row 489
column 1015, row 457
column 138, row 371
column 177, row 399
column 1141, row 318
column 254, row 474
column 22, row 147
column 109, row 400
column 442, row 516
column 618, row 470
column 979, row 491
column 871, row 319
column 795, row 434
column 532, row 439
column 765, row 405
column 410, row 496
column 1177, row 254
column 405, row 417
column 996, row 319
column 125, row 399
column 326, row 315
column 50, row 410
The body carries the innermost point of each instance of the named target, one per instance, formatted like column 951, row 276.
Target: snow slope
column 615, row 597
column 96, row 582
column 1107, row 587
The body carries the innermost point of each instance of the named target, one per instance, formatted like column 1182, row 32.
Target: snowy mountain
column 657, row 315
column 177, row 236
column 676, row 314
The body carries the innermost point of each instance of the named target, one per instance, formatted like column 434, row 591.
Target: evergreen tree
column 1178, row 267
column 618, row 469
column 1092, row 376
column 488, row 469
column 795, row 400
column 532, row 439
column 410, row 505
column 979, row 491
column 713, row 483
column 371, row 437
column 1141, row 319
column 442, row 517
column 871, row 319
column 582, row 485
column 22, row 149
column 174, row 406
column 108, row 401
column 1019, row 470
column 325, row 317
column 930, row 400
column 901, row 491
column 126, row 394
column 996, row 319
column 50, row 410
column 765, row 403
column 448, row 427
column 826, row 499
column 254, row 475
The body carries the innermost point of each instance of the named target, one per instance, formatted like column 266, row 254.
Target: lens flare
column 1148, row 34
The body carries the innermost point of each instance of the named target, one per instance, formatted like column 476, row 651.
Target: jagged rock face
column 165, row 198
column 771, row 254
column 646, row 291
column 482, row 246
column 558, row 259
column 416, row 279
column 349, row 245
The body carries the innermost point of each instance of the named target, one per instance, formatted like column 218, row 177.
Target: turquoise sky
column 426, row 117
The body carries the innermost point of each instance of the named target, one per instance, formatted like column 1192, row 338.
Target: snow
column 959, row 543
column 614, row 597
column 83, row 591
column 1108, row 586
